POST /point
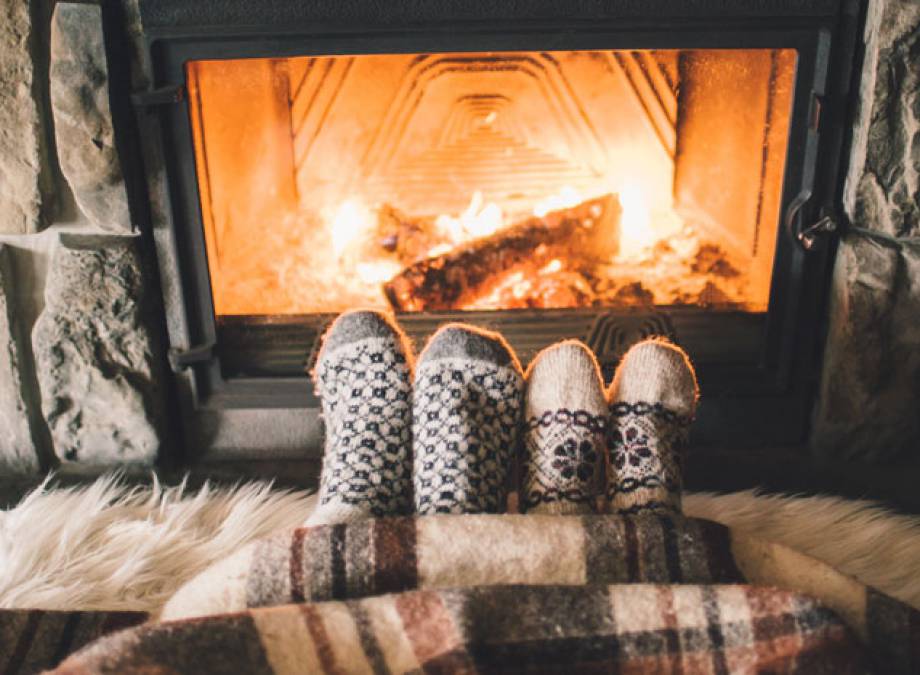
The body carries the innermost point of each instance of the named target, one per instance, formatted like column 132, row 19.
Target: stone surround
column 97, row 366
column 82, row 116
column 19, row 451
column 869, row 401
column 25, row 172
column 89, row 387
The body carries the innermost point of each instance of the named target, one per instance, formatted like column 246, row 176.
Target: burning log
column 587, row 233
column 408, row 238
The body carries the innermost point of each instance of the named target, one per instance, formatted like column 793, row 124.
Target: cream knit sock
column 565, row 415
column 363, row 377
column 652, row 401
column 466, row 406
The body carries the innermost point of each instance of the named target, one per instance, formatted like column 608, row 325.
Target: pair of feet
column 438, row 435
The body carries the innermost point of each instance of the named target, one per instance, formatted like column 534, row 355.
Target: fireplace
column 598, row 171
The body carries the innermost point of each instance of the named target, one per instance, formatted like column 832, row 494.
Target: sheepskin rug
column 109, row 546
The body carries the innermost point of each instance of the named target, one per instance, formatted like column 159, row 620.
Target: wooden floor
column 786, row 470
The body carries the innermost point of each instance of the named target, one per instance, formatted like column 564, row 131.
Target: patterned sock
column 565, row 414
column 363, row 376
column 652, row 401
column 466, row 406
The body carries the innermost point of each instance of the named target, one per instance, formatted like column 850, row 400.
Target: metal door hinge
column 808, row 236
column 180, row 359
column 169, row 95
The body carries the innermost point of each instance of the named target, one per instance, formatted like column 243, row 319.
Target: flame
column 351, row 222
column 566, row 198
column 378, row 272
column 551, row 267
column 636, row 232
column 478, row 220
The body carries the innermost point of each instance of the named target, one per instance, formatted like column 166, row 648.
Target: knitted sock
column 565, row 414
column 652, row 401
column 466, row 405
column 363, row 378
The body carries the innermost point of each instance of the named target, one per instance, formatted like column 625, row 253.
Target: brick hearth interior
column 84, row 381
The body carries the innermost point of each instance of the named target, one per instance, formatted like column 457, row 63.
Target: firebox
column 603, row 171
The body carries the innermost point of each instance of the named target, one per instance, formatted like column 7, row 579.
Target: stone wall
column 81, row 354
column 869, row 401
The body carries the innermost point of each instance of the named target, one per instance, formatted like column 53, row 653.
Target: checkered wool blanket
column 505, row 593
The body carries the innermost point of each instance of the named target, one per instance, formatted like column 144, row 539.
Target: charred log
column 587, row 232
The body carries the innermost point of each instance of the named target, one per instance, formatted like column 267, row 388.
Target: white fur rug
column 108, row 546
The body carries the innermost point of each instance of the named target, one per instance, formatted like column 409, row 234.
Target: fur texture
column 860, row 538
column 109, row 546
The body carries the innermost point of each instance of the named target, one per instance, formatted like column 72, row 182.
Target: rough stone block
column 25, row 178
column 95, row 354
column 17, row 447
column 885, row 185
column 870, row 389
column 82, row 115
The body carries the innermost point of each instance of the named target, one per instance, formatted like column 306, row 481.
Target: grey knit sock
column 565, row 414
column 466, row 405
column 363, row 377
column 652, row 401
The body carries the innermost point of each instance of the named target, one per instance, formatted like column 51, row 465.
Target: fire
column 636, row 232
column 478, row 220
column 349, row 224
column 340, row 257
column 377, row 272
column 566, row 198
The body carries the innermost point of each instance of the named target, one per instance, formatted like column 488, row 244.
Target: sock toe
column 358, row 325
column 565, row 375
column 463, row 341
column 658, row 371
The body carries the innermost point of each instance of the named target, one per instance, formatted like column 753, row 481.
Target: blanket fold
column 34, row 640
column 637, row 628
column 387, row 555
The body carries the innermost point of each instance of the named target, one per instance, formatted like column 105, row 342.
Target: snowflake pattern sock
column 466, row 405
column 363, row 378
column 652, row 401
column 565, row 413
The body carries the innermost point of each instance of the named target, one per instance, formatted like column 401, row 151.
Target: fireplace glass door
column 491, row 182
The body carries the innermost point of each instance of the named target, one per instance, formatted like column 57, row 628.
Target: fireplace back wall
column 864, row 412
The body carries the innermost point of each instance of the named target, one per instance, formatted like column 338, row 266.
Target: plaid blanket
column 549, row 593
column 33, row 640
column 624, row 628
